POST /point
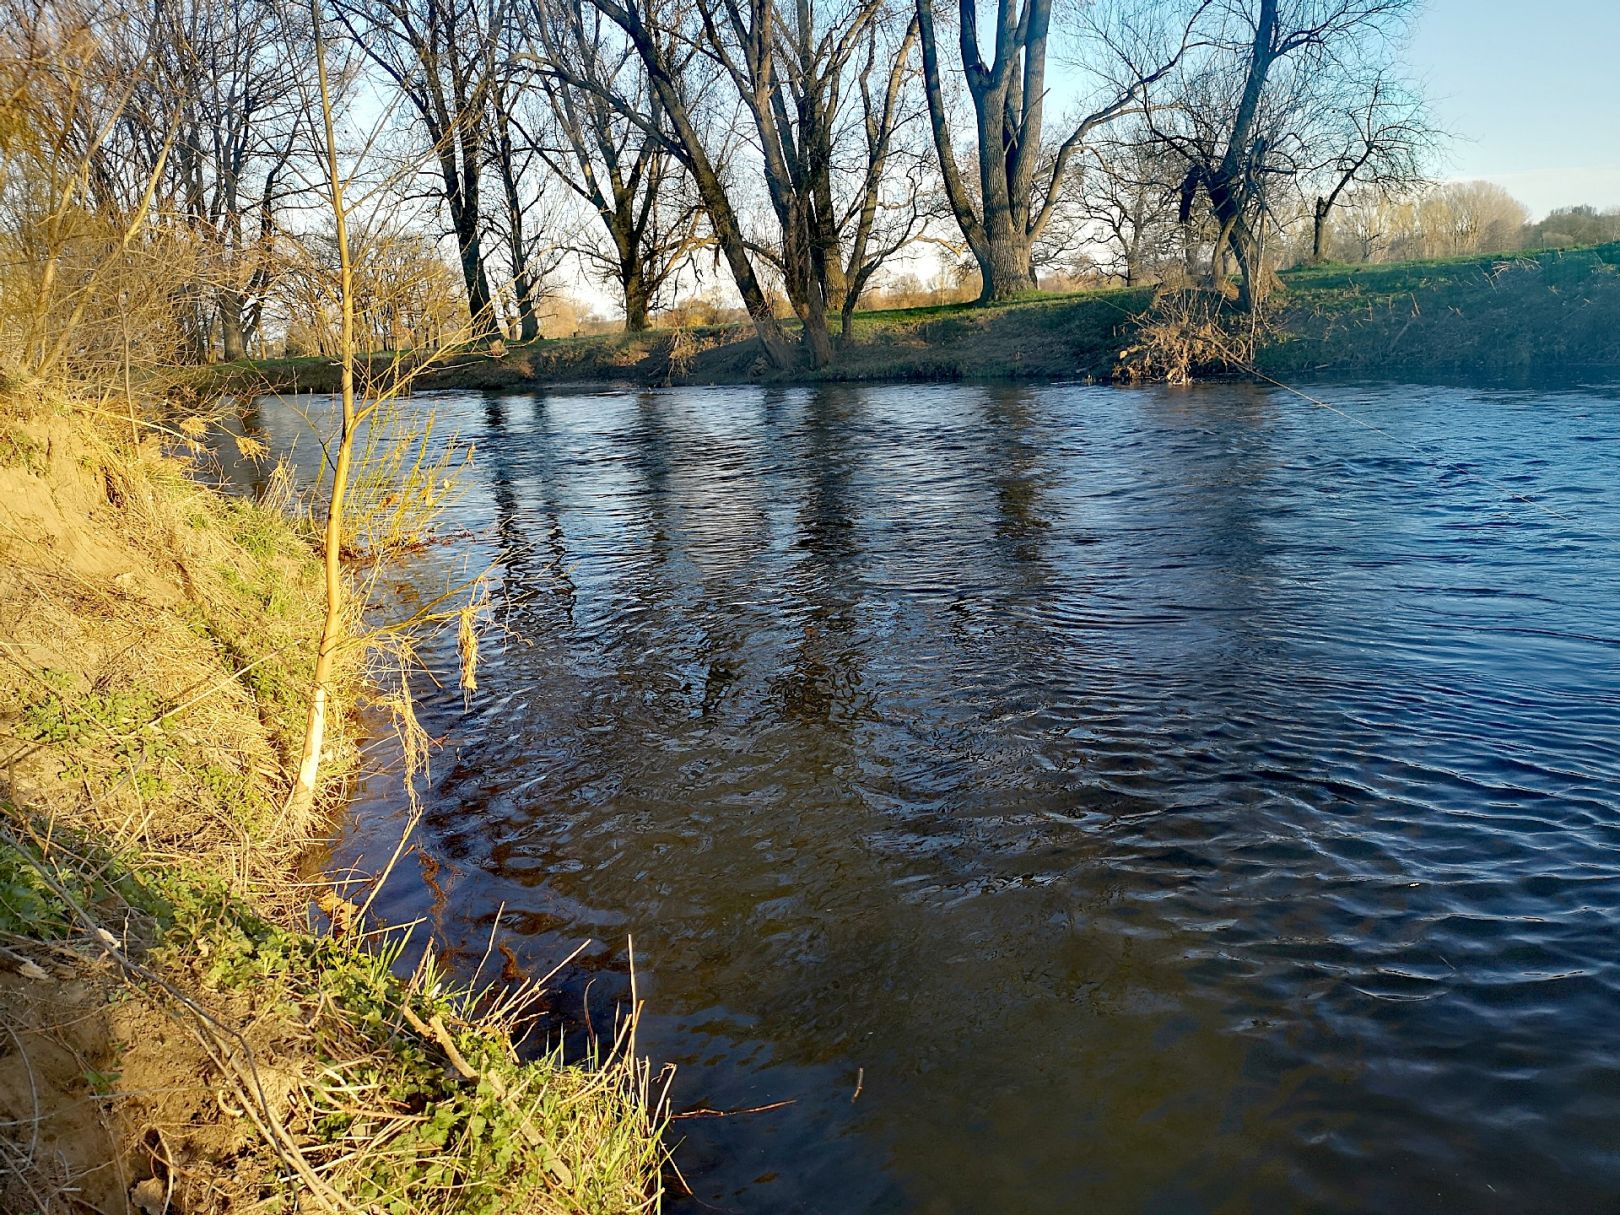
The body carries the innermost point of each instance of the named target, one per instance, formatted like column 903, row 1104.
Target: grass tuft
column 179, row 1035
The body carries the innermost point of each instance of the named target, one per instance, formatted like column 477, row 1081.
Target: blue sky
column 1532, row 92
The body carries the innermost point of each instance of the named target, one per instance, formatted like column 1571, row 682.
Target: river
column 1064, row 798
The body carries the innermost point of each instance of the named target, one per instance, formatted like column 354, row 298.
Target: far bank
column 1506, row 316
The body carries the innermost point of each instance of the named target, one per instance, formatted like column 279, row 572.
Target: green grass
column 1510, row 313
column 453, row 1120
column 1507, row 315
column 1394, row 278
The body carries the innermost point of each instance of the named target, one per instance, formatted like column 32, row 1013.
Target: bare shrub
column 1190, row 333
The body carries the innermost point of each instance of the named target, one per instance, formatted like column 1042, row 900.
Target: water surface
column 1154, row 800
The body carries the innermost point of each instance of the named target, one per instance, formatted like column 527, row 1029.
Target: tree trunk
column 1230, row 194
column 480, row 305
column 817, row 337
column 1319, row 231
column 1252, row 283
column 232, row 340
column 1004, row 267
column 528, row 314
column 461, row 196
column 1008, row 96
column 523, row 284
column 636, row 301
column 734, row 247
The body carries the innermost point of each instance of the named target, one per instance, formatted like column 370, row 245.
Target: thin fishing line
column 1431, row 461
column 1434, row 463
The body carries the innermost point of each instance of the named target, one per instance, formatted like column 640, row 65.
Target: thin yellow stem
column 332, row 632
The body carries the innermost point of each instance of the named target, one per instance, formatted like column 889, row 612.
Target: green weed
column 104, row 727
column 19, row 450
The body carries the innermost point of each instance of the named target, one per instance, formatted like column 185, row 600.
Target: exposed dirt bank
column 174, row 1035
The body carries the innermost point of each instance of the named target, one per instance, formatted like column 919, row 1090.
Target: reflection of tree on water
column 674, row 642
column 1014, row 461
column 1208, row 468
column 528, row 569
column 822, row 681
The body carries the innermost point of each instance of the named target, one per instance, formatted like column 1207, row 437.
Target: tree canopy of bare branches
column 441, row 57
column 1244, row 113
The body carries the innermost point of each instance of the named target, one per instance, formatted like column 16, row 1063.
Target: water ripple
column 1164, row 800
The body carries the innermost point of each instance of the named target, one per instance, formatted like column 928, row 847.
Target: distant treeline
column 690, row 161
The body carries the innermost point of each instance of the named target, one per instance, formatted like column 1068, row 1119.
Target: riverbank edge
column 1508, row 317
column 181, row 1034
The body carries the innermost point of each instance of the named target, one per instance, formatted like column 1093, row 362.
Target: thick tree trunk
column 1230, row 194
column 469, row 245
column 1319, row 231
column 1252, row 282
column 232, row 340
column 1004, row 267
column 461, row 196
column 636, row 302
column 1008, row 96
column 528, row 314
column 817, row 337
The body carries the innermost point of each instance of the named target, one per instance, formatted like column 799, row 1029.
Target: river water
column 1066, row 798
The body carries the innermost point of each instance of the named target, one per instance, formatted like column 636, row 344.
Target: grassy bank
column 1040, row 338
column 1509, row 315
column 174, row 1035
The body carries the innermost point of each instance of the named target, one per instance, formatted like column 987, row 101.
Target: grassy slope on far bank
column 1500, row 315
column 176, row 1038
column 1509, row 315
column 1039, row 338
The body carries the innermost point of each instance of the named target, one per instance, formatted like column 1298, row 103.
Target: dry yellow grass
column 172, row 1036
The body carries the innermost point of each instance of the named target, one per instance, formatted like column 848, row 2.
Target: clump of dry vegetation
column 174, row 1036
column 1187, row 334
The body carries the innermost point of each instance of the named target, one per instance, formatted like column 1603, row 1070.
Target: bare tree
column 630, row 178
column 1242, row 114
column 1382, row 143
column 384, row 483
column 881, row 219
column 82, row 165
column 440, row 55
column 793, row 71
column 1470, row 217
column 230, row 71
column 1130, row 195
column 661, row 32
column 790, row 67
column 333, row 624
column 1019, row 184
column 508, row 155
